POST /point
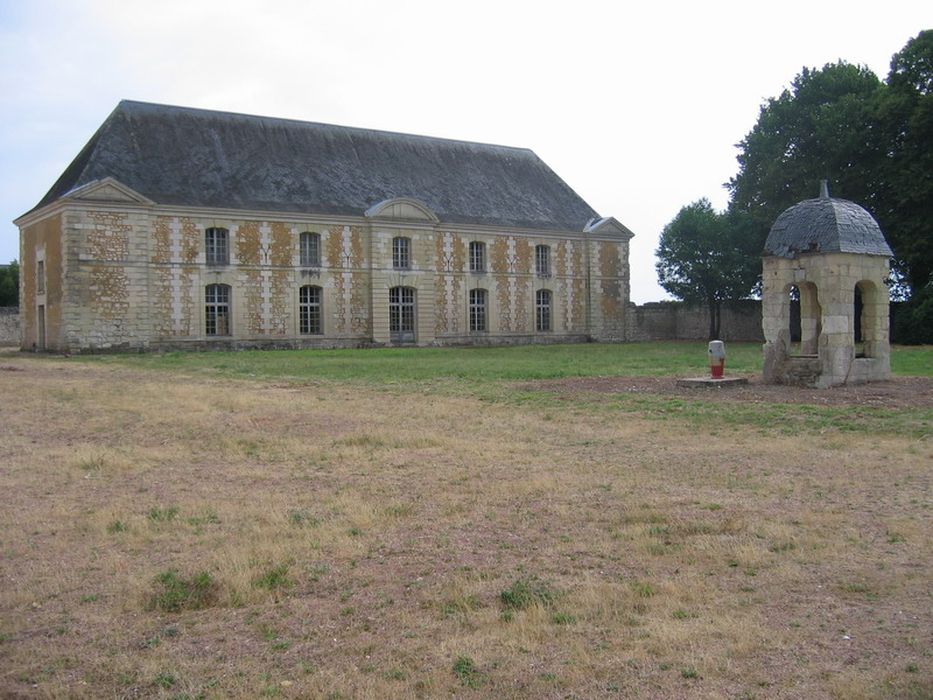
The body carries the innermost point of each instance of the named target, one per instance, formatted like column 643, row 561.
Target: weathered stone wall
column 137, row 279
column 42, row 300
column 9, row 325
column 674, row 320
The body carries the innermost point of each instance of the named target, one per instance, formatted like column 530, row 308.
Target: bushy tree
column 704, row 257
column 905, row 197
column 824, row 127
column 9, row 284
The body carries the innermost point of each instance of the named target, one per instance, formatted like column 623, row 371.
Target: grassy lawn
column 480, row 365
column 426, row 523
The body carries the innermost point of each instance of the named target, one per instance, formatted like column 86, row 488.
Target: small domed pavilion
column 831, row 255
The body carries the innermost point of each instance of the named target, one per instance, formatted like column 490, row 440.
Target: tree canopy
column 703, row 257
column 871, row 140
column 9, row 284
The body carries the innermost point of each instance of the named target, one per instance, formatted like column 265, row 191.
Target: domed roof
column 825, row 225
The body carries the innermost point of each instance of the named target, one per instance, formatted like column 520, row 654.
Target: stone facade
column 179, row 227
column 131, row 276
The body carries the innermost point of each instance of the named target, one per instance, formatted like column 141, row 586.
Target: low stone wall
column 675, row 320
column 9, row 325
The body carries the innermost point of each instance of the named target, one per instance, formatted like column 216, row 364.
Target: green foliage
column 912, row 321
column 9, row 284
column 274, row 579
column 466, row 671
column 528, row 591
column 869, row 139
column 705, row 257
column 175, row 593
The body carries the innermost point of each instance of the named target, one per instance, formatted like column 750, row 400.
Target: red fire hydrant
column 717, row 359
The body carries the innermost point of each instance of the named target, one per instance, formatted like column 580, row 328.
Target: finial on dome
column 824, row 189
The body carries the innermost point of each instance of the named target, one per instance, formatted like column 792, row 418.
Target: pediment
column 608, row 226
column 403, row 208
column 107, row 190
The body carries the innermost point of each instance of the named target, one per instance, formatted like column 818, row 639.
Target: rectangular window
column 40, row 276
column 477, row 310
column 217, row 309
column 309, row 310
column 543, row 261
column 216, row 248
column 543, row 310
column 477, row 256
column 310, row 244
column 402, row 311
column 401, row 253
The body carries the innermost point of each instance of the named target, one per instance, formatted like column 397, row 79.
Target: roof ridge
column 302, row 122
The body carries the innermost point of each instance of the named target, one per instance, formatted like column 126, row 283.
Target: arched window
column 478, row 310
column 401, row 253
column 477, row 256
column 216, row 246
column 543, row 260
column 543, row 310
column 402, row 314
column 217, row 309
column 309, row 310
column 310, row 249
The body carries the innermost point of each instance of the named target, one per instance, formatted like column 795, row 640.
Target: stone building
column 830, row 255
column 187, row 228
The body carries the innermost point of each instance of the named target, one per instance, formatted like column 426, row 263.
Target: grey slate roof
column 194, row 157
column 825, row 225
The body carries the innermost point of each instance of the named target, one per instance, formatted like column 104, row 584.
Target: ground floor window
column 402, row 314
column 309, row 310
column 217, row 309
column 477, row 310
column 543, row 310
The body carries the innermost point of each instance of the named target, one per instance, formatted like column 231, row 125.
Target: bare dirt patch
column 897, row 393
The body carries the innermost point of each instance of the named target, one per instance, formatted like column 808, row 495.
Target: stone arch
column 868, row 307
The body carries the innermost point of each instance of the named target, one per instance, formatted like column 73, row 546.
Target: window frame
column 477, row 311
column 544, row 301
column 403, row 318
column 401, row 253
column 217, row 310
column 216, row 246
column 542, row 260
column 309, row 249
column 477, row 256
column 310, row 310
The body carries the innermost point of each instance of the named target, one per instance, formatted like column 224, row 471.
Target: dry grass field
column 182, row 533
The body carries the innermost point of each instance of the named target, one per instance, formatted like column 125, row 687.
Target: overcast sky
column 637, row 106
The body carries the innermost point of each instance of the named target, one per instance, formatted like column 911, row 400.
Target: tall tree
column 906, row 187
column 704, row 257
column 823, row 127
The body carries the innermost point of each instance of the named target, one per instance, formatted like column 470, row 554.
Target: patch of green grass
column 466, row 671
column 690, row 672
column 274, row 579
column 561, row 618
column 528, row 591
column 165, row 680
column 175, row 593
column 162, row 515
column 912, row 360
column 117, row 526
